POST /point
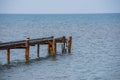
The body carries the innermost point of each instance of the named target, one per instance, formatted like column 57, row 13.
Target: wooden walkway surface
column 25, row 44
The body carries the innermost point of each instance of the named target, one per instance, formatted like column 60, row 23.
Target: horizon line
column 68, row 13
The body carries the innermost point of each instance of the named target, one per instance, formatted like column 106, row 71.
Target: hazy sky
column 59, row 6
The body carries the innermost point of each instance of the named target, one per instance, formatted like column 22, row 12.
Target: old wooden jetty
column 49, row 41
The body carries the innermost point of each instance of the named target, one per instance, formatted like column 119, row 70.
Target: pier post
column 69, row 44
column 8, row 56
column 63, row 45
column 49, row 50
column 27, row 50
column 38, row 50
column 54, row 48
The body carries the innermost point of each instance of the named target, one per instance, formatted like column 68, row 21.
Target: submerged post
column 69, row 44
column 38, row 50
column 27, row 50
column 54, row 48
column 8, row 56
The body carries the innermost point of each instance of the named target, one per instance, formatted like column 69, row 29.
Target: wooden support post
column 49, row 50
column 27, row 50
column 69, row 44
column 38, row 50
column 54, row 48
column 63, row 45
column 8, row 56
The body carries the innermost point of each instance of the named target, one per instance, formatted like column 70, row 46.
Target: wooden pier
column 51, row 43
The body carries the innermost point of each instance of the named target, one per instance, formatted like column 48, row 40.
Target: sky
column 59, row 6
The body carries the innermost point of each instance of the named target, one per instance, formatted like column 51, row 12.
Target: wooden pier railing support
column 53, row 48
column 27, row 50
column 38, row 50
column 8, row 56
column 69, row 44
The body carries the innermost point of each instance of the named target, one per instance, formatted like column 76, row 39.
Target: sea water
column 95, row 47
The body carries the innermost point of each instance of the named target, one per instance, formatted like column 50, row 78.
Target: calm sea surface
column 95, row 49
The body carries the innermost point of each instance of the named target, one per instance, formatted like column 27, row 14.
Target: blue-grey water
column 95, row 47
